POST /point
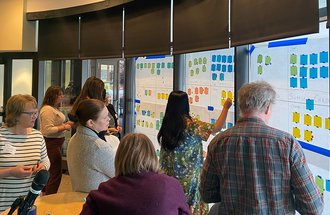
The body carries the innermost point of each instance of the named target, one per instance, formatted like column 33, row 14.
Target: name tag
column 8, row 149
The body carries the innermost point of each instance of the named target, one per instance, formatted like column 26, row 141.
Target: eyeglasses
column 32, row 114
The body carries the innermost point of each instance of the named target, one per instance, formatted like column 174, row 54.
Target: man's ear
column 267, row 110
column 90, row 123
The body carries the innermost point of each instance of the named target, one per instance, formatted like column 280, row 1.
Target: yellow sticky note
column 296, row 117
column 308, row 135
column 296, row 132
column 317, row 121
column 327, row 123
column 307, row 119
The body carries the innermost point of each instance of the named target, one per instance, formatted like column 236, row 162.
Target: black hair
column 171, row 132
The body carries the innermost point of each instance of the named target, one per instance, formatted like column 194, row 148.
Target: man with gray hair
column 253, row 168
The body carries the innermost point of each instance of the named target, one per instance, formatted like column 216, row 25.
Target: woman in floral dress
column 181, row 154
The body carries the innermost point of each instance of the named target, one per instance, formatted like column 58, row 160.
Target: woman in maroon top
column 138, row 188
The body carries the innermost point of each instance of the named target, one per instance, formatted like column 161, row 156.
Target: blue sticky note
column 313, row 73
column 229, row 125
column 324, row 72
column 230, row 59
column 313, row 58
column 219, row 58
column 303, row 59
column 309, row 104
column 210, row 108
column 214, row 58
column 222, row 77
column 303, row 83
column 144, row 112
column 230, row 68
column 303, row 72
column 224, row 68
column 224, row 59
column 148, row 113
column 218, row 67
column 324, row 57
column 293, row 82
column 327, row 185
column 213, row 67
column 212, row 121
column 214, row 76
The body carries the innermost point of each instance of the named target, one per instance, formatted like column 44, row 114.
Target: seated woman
column 90, row 157
column 22, row 149
column 138, row 188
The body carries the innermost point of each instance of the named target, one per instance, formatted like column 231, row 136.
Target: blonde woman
column 22, row 149
column 138, row 188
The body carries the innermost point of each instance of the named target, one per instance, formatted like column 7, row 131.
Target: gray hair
column 256, row 97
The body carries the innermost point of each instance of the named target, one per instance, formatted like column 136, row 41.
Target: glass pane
column 107, row 76
column 48, row 74
column 154, row 82
column 298, row 68
column 209, row 79
column 22, row 77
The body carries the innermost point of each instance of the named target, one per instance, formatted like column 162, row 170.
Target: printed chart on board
column 209, row 82
column 299, row 70
column 154, row 83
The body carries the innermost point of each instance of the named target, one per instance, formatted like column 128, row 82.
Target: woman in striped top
column 22, row 149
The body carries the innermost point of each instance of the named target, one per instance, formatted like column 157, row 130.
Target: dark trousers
column 54, row 147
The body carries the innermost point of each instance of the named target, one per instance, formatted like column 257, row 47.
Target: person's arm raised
column 222, row 118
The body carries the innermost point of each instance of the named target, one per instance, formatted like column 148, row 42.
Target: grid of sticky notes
column 221, row 64
column 154, row 68
column 309, row 120
column 311, row 66
column 263, row 62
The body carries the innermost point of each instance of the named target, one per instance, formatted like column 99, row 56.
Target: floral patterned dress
column 185, row 162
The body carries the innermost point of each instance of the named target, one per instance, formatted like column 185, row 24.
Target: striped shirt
column 19, row 150
column 256, row 169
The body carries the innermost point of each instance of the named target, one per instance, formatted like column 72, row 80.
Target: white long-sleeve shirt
column 50, row 118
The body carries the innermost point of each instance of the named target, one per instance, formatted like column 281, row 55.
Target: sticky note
column 327, row 123
column 214, row 76
column 324, row 72
column 303, row 72
column 223, row 69
column 296, row 117
column 308, row 135
column 313, row 73
column 324, row 57
column 214, row 58
column 319, row 181
column 310, row 104
column 307, row 119
column 293, row 82
column 296, row 132
column 213, row 67
column 259, row 58
column 259, row 69
column 303, row 83
column 222, row 77
column 313, row 58
column 230, row 68
column 230, row 59
column 303, row 59
column 293, row 70
column 317, row 121
column 293, row 58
